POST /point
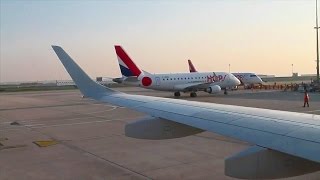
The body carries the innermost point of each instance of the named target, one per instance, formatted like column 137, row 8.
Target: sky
column 261, row 36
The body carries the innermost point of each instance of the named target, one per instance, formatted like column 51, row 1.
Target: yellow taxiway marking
column 45, row 143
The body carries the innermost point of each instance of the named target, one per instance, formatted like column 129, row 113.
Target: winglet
column 191, row 67
column 86, row 85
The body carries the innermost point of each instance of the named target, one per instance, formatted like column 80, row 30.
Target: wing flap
column 265, row 124
column 310, row 133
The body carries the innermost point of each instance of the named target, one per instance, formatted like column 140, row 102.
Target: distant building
column 312, row 75
column 100, row 80
column 266, row 76
column 65, row 83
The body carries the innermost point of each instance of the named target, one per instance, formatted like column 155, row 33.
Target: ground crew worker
column 306, row 99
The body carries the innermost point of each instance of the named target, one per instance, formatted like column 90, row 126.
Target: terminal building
column 295, row 79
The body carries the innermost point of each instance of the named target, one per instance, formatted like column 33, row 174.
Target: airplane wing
column 285, row 144
column 194, row 86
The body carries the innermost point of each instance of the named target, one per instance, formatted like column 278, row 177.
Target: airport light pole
column 229, row 68
column 291, row 69
column 317, row 31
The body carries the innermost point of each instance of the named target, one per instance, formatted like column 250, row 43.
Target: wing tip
column 55, row 46
column 117, row 46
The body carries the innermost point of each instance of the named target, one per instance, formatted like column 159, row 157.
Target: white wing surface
column 285, row 143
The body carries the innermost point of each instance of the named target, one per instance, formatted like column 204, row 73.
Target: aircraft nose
column 235, row 80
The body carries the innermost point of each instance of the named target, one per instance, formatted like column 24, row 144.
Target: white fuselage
column 185, row 81
column 248, row 78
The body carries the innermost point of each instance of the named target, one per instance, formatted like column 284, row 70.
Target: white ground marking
column 28, row 121
column 79, row 123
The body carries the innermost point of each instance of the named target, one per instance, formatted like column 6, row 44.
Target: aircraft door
column 157, row 81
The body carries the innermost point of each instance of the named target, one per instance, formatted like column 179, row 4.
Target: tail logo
column 146, row 81
column 127, row 66
column 191, row 67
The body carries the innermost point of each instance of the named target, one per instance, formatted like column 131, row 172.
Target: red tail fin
column 191, row 67
column 127, row 66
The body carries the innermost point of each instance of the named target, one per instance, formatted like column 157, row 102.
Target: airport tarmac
column 92, row 145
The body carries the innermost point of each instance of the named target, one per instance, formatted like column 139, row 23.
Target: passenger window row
column 170, row 79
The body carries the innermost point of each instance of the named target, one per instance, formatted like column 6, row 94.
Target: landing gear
column 225, row 92
column 193, row 94
column 176, row 94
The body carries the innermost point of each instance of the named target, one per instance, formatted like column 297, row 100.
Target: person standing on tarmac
column 306, row 98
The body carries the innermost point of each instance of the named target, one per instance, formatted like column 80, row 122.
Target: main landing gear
column 225, row 92
column 193, row 94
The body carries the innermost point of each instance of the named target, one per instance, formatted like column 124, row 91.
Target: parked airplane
column 284, row 144
column 247, row 79
column 211, row 82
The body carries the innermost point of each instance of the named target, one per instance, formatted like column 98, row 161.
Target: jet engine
column 213, row 89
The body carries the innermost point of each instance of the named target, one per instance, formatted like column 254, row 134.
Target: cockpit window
column 253, row 75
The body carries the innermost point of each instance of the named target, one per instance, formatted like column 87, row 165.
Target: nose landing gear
column 225, row 92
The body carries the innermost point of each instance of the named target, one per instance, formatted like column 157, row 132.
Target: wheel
column 225, row 92
column 176, row 94
column 193, row 94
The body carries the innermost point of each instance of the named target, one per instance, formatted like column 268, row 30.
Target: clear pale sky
column 262, row 36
